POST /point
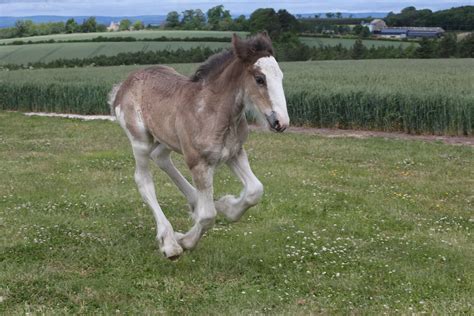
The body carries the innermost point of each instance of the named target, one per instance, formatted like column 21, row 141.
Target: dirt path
column 325, row 132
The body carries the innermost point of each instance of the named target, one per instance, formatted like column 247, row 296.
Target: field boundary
column 324, row 132
column 72, row 116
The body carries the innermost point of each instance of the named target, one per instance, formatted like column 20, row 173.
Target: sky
column 159, row 7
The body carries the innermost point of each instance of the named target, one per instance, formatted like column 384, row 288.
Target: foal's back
column 150, row 99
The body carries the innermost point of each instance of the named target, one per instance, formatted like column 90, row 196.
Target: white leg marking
column 161, row 156
column 204, row 212
column 234, row 207
column 143, row 178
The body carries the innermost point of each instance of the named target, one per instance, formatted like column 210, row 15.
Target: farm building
column 379, row 28
column 376, row 25
column 410, row 32
column 113, row 27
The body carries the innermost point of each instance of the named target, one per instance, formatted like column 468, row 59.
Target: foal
column 202, row 118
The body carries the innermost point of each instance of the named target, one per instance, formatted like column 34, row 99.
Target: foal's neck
column 229, row 86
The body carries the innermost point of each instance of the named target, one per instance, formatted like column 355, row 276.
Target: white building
column 113, row 27
column 376, row 25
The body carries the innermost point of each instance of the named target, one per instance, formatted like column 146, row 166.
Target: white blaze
column 274, row 78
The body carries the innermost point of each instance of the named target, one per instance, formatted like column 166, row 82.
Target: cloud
column 151, row 7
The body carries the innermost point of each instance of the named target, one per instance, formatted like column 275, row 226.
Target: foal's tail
column 111, row 98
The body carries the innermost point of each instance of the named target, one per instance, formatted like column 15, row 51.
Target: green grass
column 137, row 34
column 24, row 54
column 346, row 226
column 345, row 42
column 416, row 96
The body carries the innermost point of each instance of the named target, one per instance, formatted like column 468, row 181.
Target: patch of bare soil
column 331, row 133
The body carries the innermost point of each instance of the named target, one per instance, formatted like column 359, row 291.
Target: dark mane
column 214, row 64
column 248, row 51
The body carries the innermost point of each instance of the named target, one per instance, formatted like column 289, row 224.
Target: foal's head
column 263, row 79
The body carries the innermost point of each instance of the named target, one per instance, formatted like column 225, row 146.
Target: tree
column 358, row 50
column 89, row 25
column 125, row 25
column 138, row 25
column 338, row 15
column 365, row 32
column 466, row 46
column 187, row 19
column 288, row 22
column 172, row 20
column 240, row 24
column 265, row 19
column 193, row 19
column 71, row 26
column 217, row 17
column 199, row 19
column 24, row 27
column 427, row 49
column 330, row 15
column 447, row 46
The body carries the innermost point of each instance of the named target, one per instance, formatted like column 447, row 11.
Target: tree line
column 25, row 28
column 454, row 19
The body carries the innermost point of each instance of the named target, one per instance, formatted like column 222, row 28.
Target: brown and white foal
column 202, row 118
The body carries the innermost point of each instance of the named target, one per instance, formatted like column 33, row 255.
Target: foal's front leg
column 161, row 156
column 234, row 207
column 204, row 212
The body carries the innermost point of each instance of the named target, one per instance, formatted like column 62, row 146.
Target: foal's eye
column 260, row 80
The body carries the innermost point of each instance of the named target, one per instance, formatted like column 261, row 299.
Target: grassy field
column 346, row 226
column 322, row 41
column 24, row 54
column 416, row 96
column 137, row 34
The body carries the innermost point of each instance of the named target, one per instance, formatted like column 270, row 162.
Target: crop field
column 414, row 96
column 346, row 226
column 24, row 54
column 322, row 41
column 137, row 34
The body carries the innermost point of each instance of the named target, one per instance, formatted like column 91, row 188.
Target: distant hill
column 9, row 21
column 357, row 15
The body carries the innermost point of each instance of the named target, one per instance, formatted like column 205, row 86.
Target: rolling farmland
column 346, row 225
column 46, row 52
column 24, row 54
column 415, row 96
column 136, row 34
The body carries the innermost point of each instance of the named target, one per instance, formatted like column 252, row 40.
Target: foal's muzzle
column 275, row 123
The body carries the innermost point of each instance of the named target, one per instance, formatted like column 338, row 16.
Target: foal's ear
column 241, row 48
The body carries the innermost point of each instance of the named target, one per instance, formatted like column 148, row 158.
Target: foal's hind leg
column 165, row 234
column 161, row 156
column 234, row 207
column 204, row 213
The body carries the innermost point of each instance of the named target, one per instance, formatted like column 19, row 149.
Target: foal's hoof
column 173, row 254
column 172, row 250
column 174, row 258
column 184, row 241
